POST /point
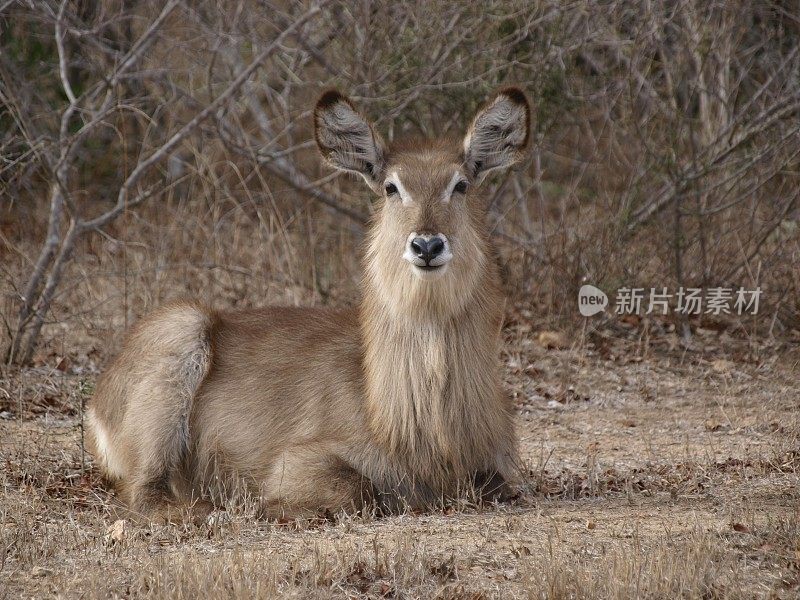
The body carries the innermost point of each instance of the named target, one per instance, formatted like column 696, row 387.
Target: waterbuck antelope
column 397, row 402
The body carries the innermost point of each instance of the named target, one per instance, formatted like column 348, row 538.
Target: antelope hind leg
column 309, row 484
column 154, row 499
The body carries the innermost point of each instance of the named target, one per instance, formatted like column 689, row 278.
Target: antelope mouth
column 427, row 272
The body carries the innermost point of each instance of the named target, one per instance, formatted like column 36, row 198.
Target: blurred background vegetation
column 153, row 150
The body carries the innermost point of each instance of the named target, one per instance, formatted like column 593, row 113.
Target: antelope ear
column 346, row 139
column 499, row 133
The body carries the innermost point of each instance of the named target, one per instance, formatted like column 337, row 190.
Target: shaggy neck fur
column 434, row 401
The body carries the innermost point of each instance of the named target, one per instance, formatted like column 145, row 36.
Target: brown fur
column 398, row 400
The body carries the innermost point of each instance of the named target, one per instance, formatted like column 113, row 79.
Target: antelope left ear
column 498, row 136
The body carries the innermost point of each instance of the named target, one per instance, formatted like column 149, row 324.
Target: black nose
column 427, row 250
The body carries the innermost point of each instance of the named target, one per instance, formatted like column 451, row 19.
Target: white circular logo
column 591, row 300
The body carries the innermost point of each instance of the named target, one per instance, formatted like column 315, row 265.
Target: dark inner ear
column 346, row 139
column 329, row 98
column 499, row 133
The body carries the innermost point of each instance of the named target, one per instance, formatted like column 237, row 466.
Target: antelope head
column 429, row 239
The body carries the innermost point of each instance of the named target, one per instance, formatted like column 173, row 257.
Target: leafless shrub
column 152, row 149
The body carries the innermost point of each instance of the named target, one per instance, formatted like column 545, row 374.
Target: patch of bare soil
column 660, row 476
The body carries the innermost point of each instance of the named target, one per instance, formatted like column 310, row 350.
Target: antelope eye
column 391, row 189
column 460, row 187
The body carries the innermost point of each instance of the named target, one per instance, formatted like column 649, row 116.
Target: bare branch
column 161, row 153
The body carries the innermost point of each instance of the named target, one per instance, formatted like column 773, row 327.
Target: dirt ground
column 657, row 474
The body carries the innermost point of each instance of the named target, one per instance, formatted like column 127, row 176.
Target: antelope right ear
column 346, row 139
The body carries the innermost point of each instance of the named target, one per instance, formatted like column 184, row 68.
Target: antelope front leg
column 309, row 483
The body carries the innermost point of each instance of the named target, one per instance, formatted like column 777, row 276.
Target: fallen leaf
column 520, row 551
column 510, row 574
column 41, row 572
column 712, row 425
column 117, row 532
column 722, row 366
column 553, row 340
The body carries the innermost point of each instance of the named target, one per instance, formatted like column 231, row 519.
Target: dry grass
column 690, row 490
column 656, row 465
